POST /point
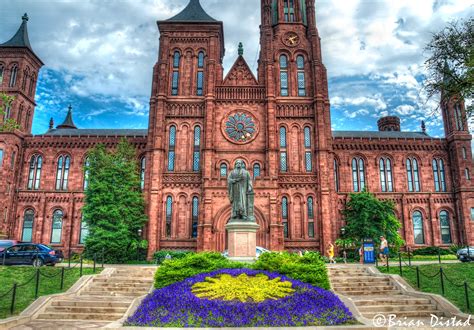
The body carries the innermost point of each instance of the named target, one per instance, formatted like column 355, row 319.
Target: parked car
column 463, row 256
column 6, row 243
column 30, row 254
column 259, row 250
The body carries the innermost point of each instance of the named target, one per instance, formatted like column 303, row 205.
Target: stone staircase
column 375, row 294
column 105, row 298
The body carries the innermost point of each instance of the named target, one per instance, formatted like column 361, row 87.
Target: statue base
column 242, row 239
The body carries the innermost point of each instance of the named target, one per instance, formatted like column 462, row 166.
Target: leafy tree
column 451, row 62
column 369, row 217
column 114, row 207
column 10, row 124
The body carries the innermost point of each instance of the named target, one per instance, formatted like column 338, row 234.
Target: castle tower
column 19, row 67
column 182, row 107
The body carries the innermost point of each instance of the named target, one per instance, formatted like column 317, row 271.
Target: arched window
column 467, row 174
column 439, row 175
column 175, row 78
column 310, row 217
column 223, row 170
column 289, row 10
column 418, row 228
column 169, row 215
column 26, row 73
column 171, row 148
column 445, row 227
column 7, row 113
column 336, row 175
column 301, row 76
column 84, row 231
column 2, row 70
column 283, row 151
column 283, row 75
column 62, row 173
column 358, row 174
column 57, row 227
column 256, row 170
column 1, row 157
column 28, row 222
column 458, row 117
column 87, row 164
column 413, row 175
column 195, row 214
column 32, row 84
column 386, row 177
column 142, row 172
column 464, row 153
column 200, row 75
column 197, row 149
column 13, row 76
column 284, row 216
column 308, row 159
column 34, row 176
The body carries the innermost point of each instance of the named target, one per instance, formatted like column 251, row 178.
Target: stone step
column 130, row 279
column 361, row 284
column 86, row 309
column 369, row 293
column 87, row 303
column 366, row 278
column 391, row 301
column 144, row 286
column 80, row 316
column 408, row 314
column 116, row 289
column 372, row 288
column 395, row 308
column 113, row 294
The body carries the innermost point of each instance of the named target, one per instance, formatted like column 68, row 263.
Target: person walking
column 384, row 251
column 331, row 254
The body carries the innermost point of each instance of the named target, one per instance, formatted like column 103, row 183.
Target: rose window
column 240, row 127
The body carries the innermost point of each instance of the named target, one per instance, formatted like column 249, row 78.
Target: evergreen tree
column 114, row 207
column 368, row 217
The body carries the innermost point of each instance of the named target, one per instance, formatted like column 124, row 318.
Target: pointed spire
column 51, row 123
column 423, row 126
column 241, row 49
column 192, row 13
column 68, row 122
column 20, row 39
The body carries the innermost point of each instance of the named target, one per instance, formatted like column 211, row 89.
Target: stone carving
column 241, row 194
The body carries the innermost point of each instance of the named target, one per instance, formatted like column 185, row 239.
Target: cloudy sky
column 99, row 55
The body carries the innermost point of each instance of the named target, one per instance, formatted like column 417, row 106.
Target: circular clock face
column 291, row 39
column 240, row 127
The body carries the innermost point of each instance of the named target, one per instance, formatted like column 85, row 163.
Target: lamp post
column 139, row 232
column 344, row 254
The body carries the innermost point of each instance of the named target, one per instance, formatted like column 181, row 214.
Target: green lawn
column 456, row 274
column 50, row 282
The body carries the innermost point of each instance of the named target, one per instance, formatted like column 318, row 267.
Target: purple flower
column 176, row 306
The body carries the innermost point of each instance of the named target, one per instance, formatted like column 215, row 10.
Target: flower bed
column 177, row 306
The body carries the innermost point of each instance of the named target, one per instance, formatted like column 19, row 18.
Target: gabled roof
column 68, row 122
column 240, row 74
column 192, row 13
column 380, row 135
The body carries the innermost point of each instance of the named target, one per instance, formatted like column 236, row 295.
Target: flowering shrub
column 242, row 287
column 177, row 306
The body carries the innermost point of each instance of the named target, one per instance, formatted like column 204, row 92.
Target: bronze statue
column 241, row 195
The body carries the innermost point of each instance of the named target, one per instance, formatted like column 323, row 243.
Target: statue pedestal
column 242, row 239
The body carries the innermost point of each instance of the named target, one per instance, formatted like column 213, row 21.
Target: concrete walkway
column 104, row 299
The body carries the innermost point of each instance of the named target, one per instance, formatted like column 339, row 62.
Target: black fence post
column 12, row 306
column 387, row 261
column 400, row 263
column 4, row 256
column 69, row 260
column 409, row 258
column 94, row 262
column 81, row 267
column 37, row 283
column 62, row 278
column 418, row 277
column 439, row 256
column 442, row 279
column 103, row 256
column 466, row 293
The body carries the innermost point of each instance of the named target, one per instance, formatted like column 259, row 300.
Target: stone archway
column 220, row 233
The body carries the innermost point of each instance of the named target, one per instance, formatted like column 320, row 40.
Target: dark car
column 30, row 254
column 6, row 243
column 466, row 254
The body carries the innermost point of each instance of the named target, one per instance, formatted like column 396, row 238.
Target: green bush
column 309, row 268
column 175, row 270
column 160, row 256
column 431, row 251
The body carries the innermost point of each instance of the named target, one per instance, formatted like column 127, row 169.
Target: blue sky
column 99, row 55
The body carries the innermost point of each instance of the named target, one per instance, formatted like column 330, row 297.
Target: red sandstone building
column 201, row 122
